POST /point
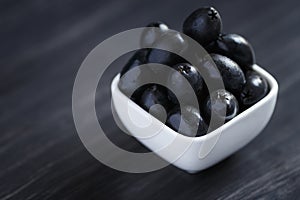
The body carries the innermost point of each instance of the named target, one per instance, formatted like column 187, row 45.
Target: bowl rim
column 273, row 85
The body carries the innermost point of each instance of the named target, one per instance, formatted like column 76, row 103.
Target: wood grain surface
column 42, row 45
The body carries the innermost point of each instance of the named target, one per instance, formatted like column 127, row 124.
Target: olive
column 255, row 89
column 204, row 25
column 221, row 102
column 192, row 122
column 234, row 47
column 232, row 75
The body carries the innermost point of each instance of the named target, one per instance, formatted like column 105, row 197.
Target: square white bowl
column 225, row 140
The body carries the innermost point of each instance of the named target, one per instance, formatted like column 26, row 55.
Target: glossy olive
column 192, row 122
column 152, row 96
column 171, row 41
column 221, row 102
column 255, row 89
column 177, row 79
column 232, row 75
column 204, row 25
column 234, row 47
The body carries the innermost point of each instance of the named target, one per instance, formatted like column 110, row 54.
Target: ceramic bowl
column 225, row 140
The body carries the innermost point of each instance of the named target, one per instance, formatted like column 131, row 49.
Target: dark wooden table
column 42, row 45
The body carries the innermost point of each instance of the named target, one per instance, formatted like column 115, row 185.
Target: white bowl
column 235, row 134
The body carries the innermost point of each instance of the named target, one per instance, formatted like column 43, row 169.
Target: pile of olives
column 232, row 54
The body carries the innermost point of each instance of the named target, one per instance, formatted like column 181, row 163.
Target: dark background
column 42, row 45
